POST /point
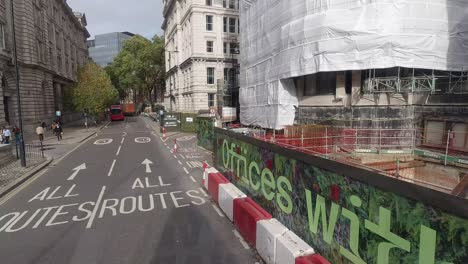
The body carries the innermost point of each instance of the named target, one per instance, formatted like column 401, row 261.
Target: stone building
column 201, row 52
column 51, row 45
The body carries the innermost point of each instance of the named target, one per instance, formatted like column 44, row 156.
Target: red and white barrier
column 214, row 180
column 246, row 215
column 205, row 176
column 268, row 232
column 289, row 247
column 312, row 259
column 275, row 243
column 227, row 194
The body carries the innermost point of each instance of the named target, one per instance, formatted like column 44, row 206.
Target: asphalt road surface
column 121, row 197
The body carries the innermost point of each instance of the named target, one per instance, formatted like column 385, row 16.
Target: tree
column 93, row 91
column 139, row 67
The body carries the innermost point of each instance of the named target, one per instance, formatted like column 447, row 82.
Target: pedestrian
column 40, row 133
column 58, row 131
column 6, row 135
column 44, row 126
column 16, row 132
column 53, row 126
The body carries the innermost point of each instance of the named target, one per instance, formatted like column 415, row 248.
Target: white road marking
column 147, row 162
column 180, row 162
column 76, row 171
column 188, row 163
column 22, row 186
column 182, row 156
column 111, row 168
column 186, row 171
column 103, row 141
column 193, row 179
column 122, row 141
column 142, row 140
column 96, row 207
column 217, row 210
column 241, row 239
column 118, row 151
column 168, row 147
column 175, row 157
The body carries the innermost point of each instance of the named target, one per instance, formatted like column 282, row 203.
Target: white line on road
column 188, row 163
column 111, row 168
column 186, row 171
column 182, row 156
column 175, row 157
column 168, row 147
column 217, row 210
column 193, row 179
column 180, row 162
column 118, row 151
column 123, row 139
column 96, row 207
column 246, row 246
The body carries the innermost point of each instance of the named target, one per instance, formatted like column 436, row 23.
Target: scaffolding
column 406, row 80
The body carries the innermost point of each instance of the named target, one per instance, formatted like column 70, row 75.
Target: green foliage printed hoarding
column 345, row 220
column 205, row 132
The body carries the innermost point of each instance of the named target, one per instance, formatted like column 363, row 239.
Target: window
column 209, row 2
column 209, row 46
column 211, row 99
column 209, row 23
column 232, row 4
column 210, row 75
column 225, row 19
column 2, row 36
column 322, row 83
column 225, row 47
column 233, row 48
column 232, row 25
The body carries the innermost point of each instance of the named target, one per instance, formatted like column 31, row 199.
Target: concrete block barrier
column 268, row 232
column 312, row 259
column 227, row 194
column 205, row 176
column 246, row 215
column 214, row 180
column 289, row 247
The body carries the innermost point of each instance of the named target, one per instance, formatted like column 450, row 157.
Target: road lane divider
column 193, row 179
column 118, row 151
column 275, row 243
column 111, row 168
column 186, row 171
column 96, row 208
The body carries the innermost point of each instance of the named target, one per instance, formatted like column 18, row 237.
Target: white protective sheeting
column 281, row 39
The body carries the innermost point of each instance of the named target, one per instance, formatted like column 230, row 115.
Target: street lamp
column 18, row 96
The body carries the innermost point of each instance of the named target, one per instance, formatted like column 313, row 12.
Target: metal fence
column 393, row 149
column 33, row 151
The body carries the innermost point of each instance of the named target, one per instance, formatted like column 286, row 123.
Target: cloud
column 142, row 17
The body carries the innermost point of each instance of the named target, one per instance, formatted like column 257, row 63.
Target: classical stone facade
column 51, row 45
column 201, row 51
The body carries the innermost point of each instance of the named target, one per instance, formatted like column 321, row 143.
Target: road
column 121, row 197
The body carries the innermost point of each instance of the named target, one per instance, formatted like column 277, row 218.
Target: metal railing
column 34, row 151
column 348, row 145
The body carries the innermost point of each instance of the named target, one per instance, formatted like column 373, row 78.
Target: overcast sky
column 142, row 17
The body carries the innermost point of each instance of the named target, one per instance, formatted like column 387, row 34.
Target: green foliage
column 139, row 67
column 94, row 90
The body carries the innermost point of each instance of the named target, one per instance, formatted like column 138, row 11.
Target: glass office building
column 105, row 47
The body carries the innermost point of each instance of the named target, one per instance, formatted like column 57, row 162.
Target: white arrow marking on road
column 77, row 170
column 147, row 162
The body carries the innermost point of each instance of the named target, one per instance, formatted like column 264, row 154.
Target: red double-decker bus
column 116, row 113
